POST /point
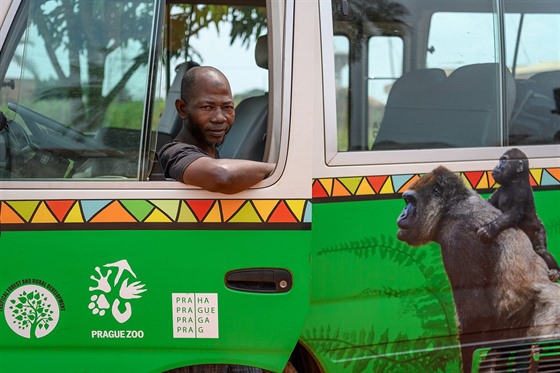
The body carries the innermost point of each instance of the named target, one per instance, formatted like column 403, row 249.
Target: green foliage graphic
column 31, row 310
column 381, row 347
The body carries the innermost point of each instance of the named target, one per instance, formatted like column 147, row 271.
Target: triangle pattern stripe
column 169, row 207
column 282, row 214
column 327, row 185
column 473, row 177
column 157, row 216
column 296, row 206
column 407, row 185
column 376, row 182
column 318, row 191
column 230, row 207
column 339, row 190
column 247, row 214
column 537, row 175
column 483, row 182
column 215, row 215
column 532, row 180
column 8, row 215
column 387, row 187
column 264, row 207
column 92, row 207
column 43, row 215
column 200, row 207
column 308, row 216
column 547, row 179
column 364, row 189
column 554, row 172
column 60, row 208
column 25, row 209
column 185, row 214
column 350, row 183
column 75, row 214
column 400, row 180
column 138, row 208
column 113, row 213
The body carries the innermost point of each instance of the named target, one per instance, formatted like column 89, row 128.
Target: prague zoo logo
column 31, row 308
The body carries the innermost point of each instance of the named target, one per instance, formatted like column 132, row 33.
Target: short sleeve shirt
column 175, row 157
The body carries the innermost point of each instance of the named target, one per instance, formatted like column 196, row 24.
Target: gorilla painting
column 500, row 287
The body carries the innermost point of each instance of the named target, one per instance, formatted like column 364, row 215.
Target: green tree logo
column 32, row 311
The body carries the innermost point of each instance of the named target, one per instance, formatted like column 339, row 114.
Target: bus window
column 74, row 84
column 533, row 57
column 444, row 75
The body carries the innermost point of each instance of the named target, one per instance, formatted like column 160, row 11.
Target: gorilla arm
column 226, row 176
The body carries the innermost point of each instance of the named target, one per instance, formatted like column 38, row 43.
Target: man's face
column 209, row 112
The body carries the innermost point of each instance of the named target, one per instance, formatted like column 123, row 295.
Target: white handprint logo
column 99, row 302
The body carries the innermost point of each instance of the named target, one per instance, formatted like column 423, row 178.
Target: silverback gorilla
column 500, row 288
column 515, row 199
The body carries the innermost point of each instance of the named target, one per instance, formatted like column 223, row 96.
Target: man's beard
column 199, row 135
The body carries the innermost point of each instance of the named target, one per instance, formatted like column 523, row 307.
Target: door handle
column 259, row 280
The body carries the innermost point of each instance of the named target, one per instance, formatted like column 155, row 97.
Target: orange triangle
column 407, row 185
column 376, row 182
column 230, row 207
column 554, row 172
column 113, row 213
column 43, row 215
column 264, row 207
column 215, row 215
column 339, row 189
column 8, row 216
column 60, row 208
column 282, row 214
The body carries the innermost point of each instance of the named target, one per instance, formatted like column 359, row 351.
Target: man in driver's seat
column 207, row 111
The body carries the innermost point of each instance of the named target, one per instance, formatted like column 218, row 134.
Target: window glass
column 445, row 74
column 74, row 84
column 533, row 57
column 233, row 39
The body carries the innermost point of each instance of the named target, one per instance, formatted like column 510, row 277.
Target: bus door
column 105, row 265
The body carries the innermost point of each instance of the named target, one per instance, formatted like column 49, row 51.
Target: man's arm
column 226, row 176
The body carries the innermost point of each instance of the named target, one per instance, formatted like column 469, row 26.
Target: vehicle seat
column 427, row 110
column 247, row 137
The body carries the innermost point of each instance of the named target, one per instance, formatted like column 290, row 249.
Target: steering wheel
column 60, row 137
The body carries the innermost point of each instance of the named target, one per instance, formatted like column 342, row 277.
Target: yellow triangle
column 24, row 208
column 537, row 175
column 264, row 207
column 327, row 184
column 364, row 189
column 185, row 214
column 246, row 214
column 215, row 215
column 387, row 187
column 297, row 206
column 75, row 215
column 351, row 183
column 43, row 215
column 157, row 217
column 483, row 183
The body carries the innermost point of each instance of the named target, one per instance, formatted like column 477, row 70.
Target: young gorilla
column 515, row 199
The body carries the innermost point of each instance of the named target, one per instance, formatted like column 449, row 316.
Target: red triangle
column 318, row 191
column 376, row 182
column 474, row 177
column 282, row 214
column 200, row 207
column 60, row 208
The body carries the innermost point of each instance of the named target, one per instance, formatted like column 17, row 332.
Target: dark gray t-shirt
column 175, row 157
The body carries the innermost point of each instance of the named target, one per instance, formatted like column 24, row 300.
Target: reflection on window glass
column 342, row 74
column 79, row 84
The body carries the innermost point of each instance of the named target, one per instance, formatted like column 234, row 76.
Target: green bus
column 107, row 266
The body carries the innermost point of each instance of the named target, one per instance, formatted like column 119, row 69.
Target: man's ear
column 181, row 107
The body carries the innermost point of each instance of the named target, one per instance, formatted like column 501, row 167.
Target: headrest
column 261, row 52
